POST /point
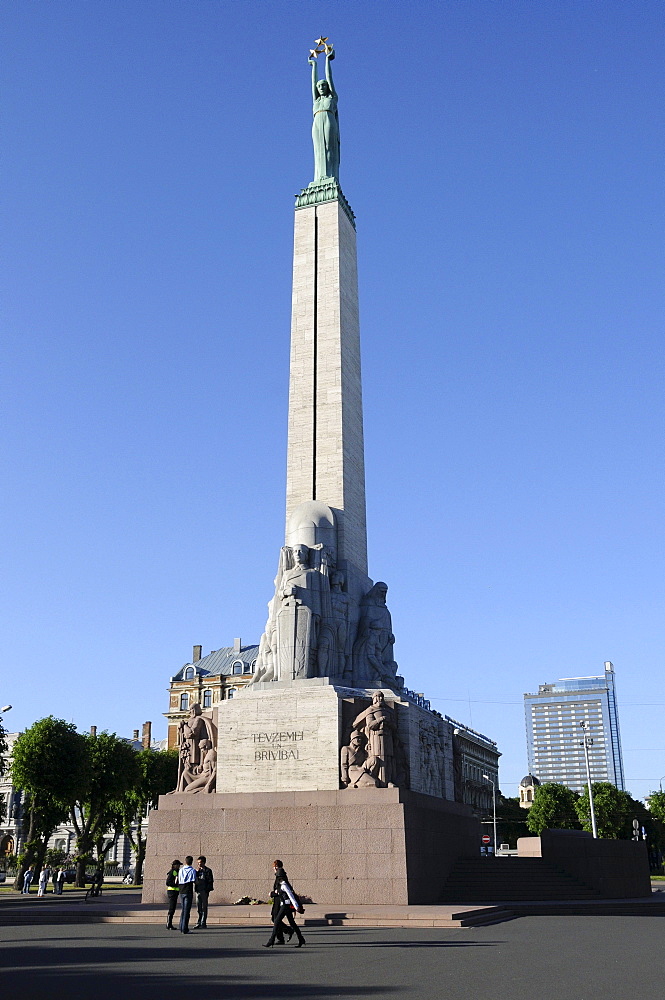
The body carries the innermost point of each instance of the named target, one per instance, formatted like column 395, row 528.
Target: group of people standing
column 183, row 881
column 57, row 876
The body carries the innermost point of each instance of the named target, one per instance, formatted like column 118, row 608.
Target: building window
column 248, row 668
column 230, row 693
column 184, row 702
column 237, row 667
column 207, row 699
column 189, row 674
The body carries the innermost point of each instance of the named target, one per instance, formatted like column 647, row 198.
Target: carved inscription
column 280, row 745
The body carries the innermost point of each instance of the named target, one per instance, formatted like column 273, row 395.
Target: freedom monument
column 325, row 760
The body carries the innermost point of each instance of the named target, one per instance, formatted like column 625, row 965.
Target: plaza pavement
column 534, row 958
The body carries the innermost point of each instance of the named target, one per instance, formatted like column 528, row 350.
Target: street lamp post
column 587, row 742
column 487, row 778
column 661, row 783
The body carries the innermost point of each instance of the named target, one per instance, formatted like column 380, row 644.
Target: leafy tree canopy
column 49, row 762
column 614, row 809
column 553, row 809
column 657, row 805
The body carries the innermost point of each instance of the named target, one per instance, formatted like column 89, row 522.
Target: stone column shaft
column 325, row 442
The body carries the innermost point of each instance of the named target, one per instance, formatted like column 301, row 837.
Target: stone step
column 259, row 916
column 511, row 880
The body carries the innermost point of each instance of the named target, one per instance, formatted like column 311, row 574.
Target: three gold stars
column 321, row 47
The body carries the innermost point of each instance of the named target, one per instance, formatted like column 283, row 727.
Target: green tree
column 657, row 805
column 50, row 765
column 553, row 809
column 614, row 809
column 113, row 771
column 158, row 774
column 3, row 768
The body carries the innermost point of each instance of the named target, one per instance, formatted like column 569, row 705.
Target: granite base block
column 375, row 845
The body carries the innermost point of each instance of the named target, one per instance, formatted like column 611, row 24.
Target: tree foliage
column 614, row 809
column 50, row 765
column 554, row 808
column 657, row 805
column 158, row 774
column 113, row 771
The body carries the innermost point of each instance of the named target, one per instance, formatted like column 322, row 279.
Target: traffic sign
column 487, row 839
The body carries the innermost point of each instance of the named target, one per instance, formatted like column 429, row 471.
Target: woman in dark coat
column 284, row 903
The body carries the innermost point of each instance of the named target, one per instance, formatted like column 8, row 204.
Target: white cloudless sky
column 505, row 162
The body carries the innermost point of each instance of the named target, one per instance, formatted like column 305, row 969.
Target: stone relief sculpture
column 204, row 776
column 325, row 127
column 340, row 603
column 378, row 723
column 197, row 739
column 315, row 627
column 358, row 770
column 374, row 665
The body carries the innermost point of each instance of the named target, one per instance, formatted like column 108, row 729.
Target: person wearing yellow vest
column 172, row 892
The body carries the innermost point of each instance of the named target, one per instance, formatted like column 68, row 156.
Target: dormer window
column 184, row 701
column 189, row 674
column 238, row 666
column 253, row 667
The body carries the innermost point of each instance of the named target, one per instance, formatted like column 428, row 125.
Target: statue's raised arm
column 325, row 127
column 330, row 55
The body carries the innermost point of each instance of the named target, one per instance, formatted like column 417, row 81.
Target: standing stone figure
column 374, row 665
column 325, row 127
column 193, row 732
column 379, row 725
column 340, row 602
column 300, row 635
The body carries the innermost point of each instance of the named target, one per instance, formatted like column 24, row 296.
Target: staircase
column 504, row 880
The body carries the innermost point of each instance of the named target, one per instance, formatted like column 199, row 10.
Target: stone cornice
column 319, row 192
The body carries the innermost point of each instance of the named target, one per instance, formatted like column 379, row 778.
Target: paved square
column 534, row 958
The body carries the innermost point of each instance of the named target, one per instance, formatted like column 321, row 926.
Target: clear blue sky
column 505, row 162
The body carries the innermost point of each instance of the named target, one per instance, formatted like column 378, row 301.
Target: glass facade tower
column 554, row 736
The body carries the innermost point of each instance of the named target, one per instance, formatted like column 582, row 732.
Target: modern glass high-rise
column 554, row 736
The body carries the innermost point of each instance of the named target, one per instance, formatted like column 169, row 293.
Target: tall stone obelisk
column 325, row 441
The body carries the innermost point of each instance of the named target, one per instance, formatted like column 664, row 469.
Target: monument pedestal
column 353, row 845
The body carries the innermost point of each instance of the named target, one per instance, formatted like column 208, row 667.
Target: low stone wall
column 618, row 869
column 356, row 845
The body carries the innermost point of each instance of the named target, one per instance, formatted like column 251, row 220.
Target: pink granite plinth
column 371, row 845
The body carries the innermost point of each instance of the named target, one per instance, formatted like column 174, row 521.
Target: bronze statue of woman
column 325, row 127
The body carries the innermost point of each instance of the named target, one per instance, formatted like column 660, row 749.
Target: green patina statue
column 325, row 127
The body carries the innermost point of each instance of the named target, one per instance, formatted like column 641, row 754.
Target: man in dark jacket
column 172, row 892
column 203, row 887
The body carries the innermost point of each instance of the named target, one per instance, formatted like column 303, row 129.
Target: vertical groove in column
column 315, row 333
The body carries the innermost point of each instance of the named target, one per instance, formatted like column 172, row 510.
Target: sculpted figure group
column 369, row 758
column 197, row 739
column 313, row 630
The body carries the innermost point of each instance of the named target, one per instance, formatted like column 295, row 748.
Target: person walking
column 288, row 904
column 43, row 880
column 59, row 881
column 27, row 880
column 186, row 880
column 97, row 881
column 172, row 892
column 203, row 886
